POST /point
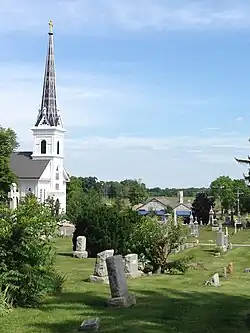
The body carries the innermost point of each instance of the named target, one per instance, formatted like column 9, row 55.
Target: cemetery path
column 214, row 244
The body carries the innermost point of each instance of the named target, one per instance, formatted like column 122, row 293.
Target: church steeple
column 48, row 114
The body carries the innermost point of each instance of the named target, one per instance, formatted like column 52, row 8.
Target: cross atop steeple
column 50, row 27
column 48, row 114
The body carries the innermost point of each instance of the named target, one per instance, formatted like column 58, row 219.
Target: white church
column 42, row 171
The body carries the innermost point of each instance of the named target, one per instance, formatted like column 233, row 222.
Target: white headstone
column 131, row 265
column 80, row 252
column 220, row 238
column 215, row 280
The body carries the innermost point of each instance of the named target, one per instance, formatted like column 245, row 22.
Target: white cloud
column 208, row 129
column 239, row 118
column 89, row 101
column 188, row 143
column 165, row 162
column 85, row 99
column 102, row 16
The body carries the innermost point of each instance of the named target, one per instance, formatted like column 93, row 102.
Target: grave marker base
column 80, row 255
column 134, row 274
column 99, row 279
column 122, row 302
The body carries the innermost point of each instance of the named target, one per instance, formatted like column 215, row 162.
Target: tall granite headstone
column 120, row 296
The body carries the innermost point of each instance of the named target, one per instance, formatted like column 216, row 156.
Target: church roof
column 25, row 167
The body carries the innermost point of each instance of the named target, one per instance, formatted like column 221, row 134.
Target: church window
column 57, row 187
column 57, row 173
column 58, row 147
column 43, row 147
column 44, row 195
column 41, row 195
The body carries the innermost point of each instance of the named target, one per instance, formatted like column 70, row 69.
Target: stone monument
column 100, row 274
column 80, row 252
column 120, row 296
column 131, row 266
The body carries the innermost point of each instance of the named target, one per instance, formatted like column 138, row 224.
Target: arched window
column 58, row 148
column 43, row 147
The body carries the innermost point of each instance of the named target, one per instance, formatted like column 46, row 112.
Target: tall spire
column 49, row 114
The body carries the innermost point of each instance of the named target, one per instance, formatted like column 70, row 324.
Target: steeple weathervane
column 48, row 113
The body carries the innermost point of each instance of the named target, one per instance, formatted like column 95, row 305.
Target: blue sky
column 150, row 89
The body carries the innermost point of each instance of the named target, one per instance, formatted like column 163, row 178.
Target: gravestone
column 226, row 241
column 192, row 227
column 230, row 268
column 131, row 266
column 66, row 229
column 246, row 270
column 100, row 274
column 220, row 239
column 90, row 325
column 196, row 228
column 215, row 280
column 80, row 252
column 120, row 296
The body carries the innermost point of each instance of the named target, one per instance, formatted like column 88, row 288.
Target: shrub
column 5, row 301
column 27, row 252
column 106, row 227
column 179, row 265
column 154, row 241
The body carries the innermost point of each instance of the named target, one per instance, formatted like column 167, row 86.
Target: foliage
column 134, row 190
column 5, row 301
column 222, row 189
column 105, row 227
column 201, row 206
column 173, row 192
column 8, row 143
column 27, row 252
column 80, row 202
column 226, row 190
column 179, row 265
column 154, row 241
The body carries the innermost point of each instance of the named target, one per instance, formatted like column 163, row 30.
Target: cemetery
column 82, row 254
column 144, row 303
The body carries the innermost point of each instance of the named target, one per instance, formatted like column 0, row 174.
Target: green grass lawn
column 206, row 234
column 165, row 303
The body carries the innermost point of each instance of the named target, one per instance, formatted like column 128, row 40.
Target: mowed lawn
column 165, row 303
column 206, row 235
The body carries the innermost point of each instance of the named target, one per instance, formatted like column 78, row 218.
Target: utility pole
column 238, row 203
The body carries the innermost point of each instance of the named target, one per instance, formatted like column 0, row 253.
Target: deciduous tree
column 202, row 205
column 8, row 143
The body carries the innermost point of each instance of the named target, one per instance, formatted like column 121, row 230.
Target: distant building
column 42, row 171
column 157, row 206
column 160, row 206
column 182, row 209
